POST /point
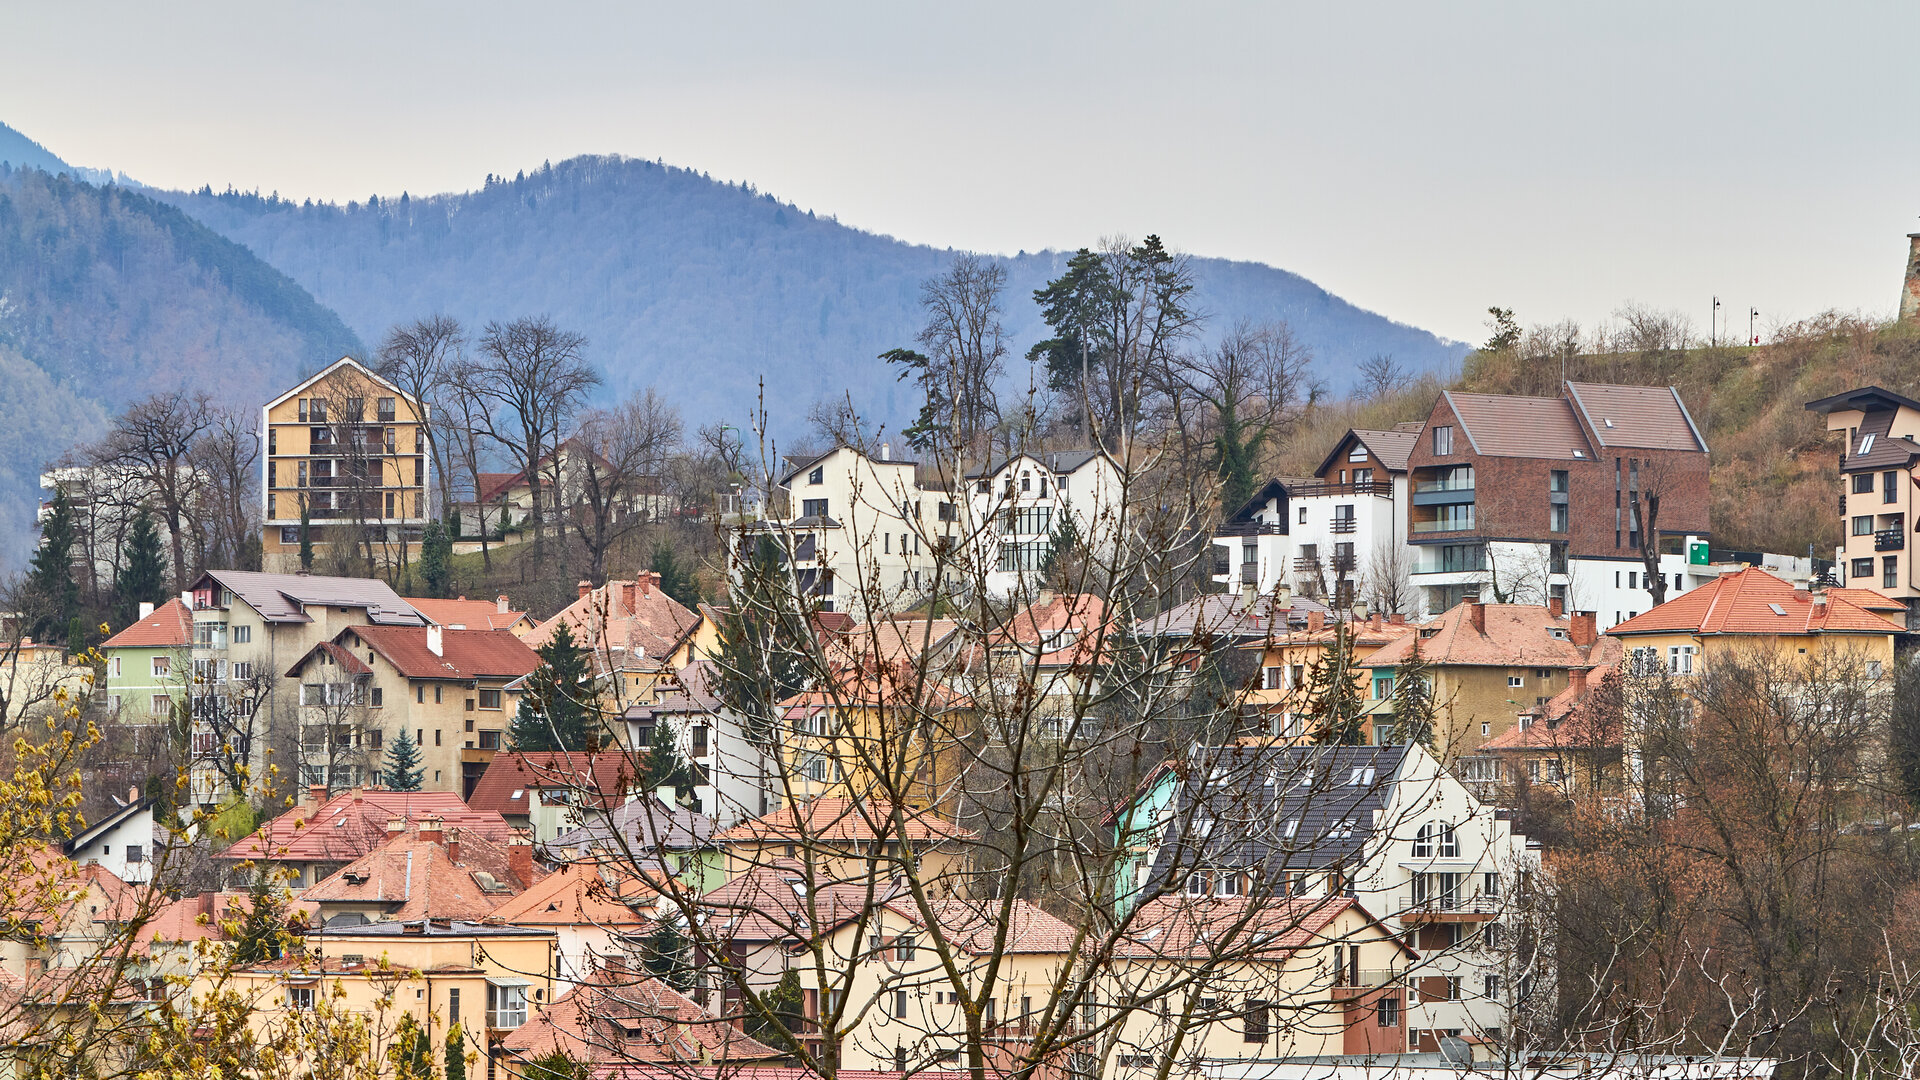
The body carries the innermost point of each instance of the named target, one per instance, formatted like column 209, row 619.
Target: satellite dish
column 1456, row 1051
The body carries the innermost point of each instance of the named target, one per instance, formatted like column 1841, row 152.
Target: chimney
column 316, row 793
column 886, row 451
column 1397, row 619
column 1374, row 620
column 436, row 643
column 1582, row 631
column 1801, row 594
column 146, row 608
column 1556, row 607
column 432, row 829
column 585, row 588
column 1316, row 621
column 453, row 845
column 396, row 827
column 1910, row 292
column 209, row 903
column 648, row 581
column 1282, row 597
column 1577, row 680
column 500, row 605
column 1477, row 615
column 1248, row 591
column 520, row 860
column 359, row 795
column 628, row 591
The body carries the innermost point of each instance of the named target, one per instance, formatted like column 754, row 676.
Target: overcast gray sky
column 1424, row 160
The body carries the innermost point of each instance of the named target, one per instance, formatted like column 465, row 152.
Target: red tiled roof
column 1265, row 929
column 192, row 918
column 770, row 903
column 583, row 893
column 1584, row 716
column 1744, row 603
column 1870, row 599
column 353, row 823
column 495, row 484
column 840, row 820
column 1516, row 635
column 467, row 614
column 618, row 1016
column 608, row 777
column 170, row 626
column 972, row 925
column 464, row 654
column 643, row 624
column 422, row 880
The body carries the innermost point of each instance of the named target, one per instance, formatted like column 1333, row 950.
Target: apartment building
column 149, row 664
column 349, row 450
column 1017, row 506
column 1339, row 535
column 1879, row 473
column 1531, row 499
column 248, row 629
column 454, row 691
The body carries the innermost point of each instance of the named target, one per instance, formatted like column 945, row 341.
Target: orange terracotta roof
column 468, row 614
column 170, row 626
column 607, row 778
column 1515, row 635
column 1584, row 716
column 192, row 918
column 1745, row 603
column 419, row 878
column 1265, row 929
column 582, row 894
column 972, row 925
column 353, row 823
column 1870, row 599
column 841, row 820
column 773, row 903
column 642, row 624
column 620, row 1016
column 464, row 654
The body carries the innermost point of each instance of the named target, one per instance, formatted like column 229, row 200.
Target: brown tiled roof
column 170, row 626
column 468, row 614
column 643, row 624
column 971, row 925
column 1516, row 635
column 1256, row 928
column 1744, row 603
column 605, row 778
column 1083, row 615
column 583, row 893
column 420, row 879
column 837, row 820
column 1501, row 425
column 1392, row 448
column 1636, row 417
column 892, row 640
column 192, row 918
column 1580, row 717
column 769, row 903
column 619, row 1016
column 353, row 823
column 464, row 654
column 495, row 484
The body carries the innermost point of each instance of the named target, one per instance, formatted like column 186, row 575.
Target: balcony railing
column 1443, row 485
column 1382, row 488
column 1443, row 525
column 1344, row 525
column 1369, row 979
column 1890, row 540
column 1221, row 568
column 1306, row 565
column 1341, row 564
column 1448, row 904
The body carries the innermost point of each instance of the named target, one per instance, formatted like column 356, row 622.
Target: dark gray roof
column 1236, row 807
column 1865, row 398
column 429, row 928
column 647, row 824
column 696, row 695
column 279, row 597
column 1225, row 615
column 1060, row 461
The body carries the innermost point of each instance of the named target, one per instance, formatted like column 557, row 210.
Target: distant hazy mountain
column 701, row 287
column 106, row 296
column 20, row 152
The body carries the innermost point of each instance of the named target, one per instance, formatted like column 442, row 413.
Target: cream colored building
column 350, row 449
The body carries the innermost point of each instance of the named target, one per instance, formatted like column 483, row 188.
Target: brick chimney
column 1477, row 615
column 627, row 591
column 1910, row 291
column 433, row 829
column 1556, row 607
column 648, row 580
column 520, row 860
column 501, row 605
column 1582, row 631
column 1316, row 621
column 453, row 845
column 396, row 827
column 1577, row 680
column 316, row 794
column 585, row 588
column 1397, row 619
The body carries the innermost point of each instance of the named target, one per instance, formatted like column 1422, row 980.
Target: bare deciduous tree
column 535, row 375
column 614, row 459
column 154, row 441
column 417, row 357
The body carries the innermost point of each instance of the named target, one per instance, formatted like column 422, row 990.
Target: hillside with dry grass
column 1775, row 469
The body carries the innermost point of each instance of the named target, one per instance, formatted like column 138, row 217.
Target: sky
column 1422, row 160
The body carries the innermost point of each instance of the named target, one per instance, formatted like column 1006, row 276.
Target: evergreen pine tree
column 558, row 711
column 51, row 590
column 143, row 571
column 676, row 579
column 1413, row 704
column 76, row 636
column 436, row 558
column 263, row 933
column 410, row 1052
column 786, row 1001
column 306, row 538
column 1335, row 707
column 663, row 764
column 762, row 661
column 456, row 1058
column 403, row 771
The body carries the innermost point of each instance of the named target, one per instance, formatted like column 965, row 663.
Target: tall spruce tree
column 558, row 711
column 52, row 592
column 1413, row 703
column 1336, row 709
column 141, row 578
column 676, row 580
column 456, row 1055
column 762, row 659
column 436, row 558
column 306, row 537
column 403, row 769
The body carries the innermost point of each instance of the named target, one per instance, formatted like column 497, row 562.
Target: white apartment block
column 1016, row 505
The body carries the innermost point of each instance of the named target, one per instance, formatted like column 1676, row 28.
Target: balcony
column 1342, row 564
column 1442, row 525
column 1344, row 525
column 1382, row 488
column 1890, row 540
column 1448, row 907
column 1308, row 564
column 1222, row 568
column 1367, row 980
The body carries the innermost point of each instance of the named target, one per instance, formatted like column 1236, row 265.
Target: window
column 1557, row 518
column 1382, row 687
column 1633, row 579
column 160, row 705
column 162, row 666
column 813, row 508
column 1680, row 659
column 1026, row 521
column 506, row 1006
column 1516, row 681
column 1449, row 843
column 289, row 535
column 1442, row 441
column 817, row 476
column 375, row 738
column 1255, row 1021
column 699, row 740
column 1890, row 486
column 1275, row 677
column 1557, row 481
column 1362, row 477
column 1862, row 568
column 489, row 740
column 1863, row 483
column 1492, row 987
column 436, row 695
column 436, row 736
column 1387, row 1011
column 1303, row 515
column 903, row 947
column 1890, row 572
column 490, row 699
column 379, row 697
column 1873, row 669
column 1863, row 525
column 300, row 997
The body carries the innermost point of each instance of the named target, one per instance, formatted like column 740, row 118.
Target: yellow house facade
column 1281, row 692
column 1757, row 614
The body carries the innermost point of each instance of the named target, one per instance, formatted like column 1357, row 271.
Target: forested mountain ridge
column 106, row 296
column 702, row 287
